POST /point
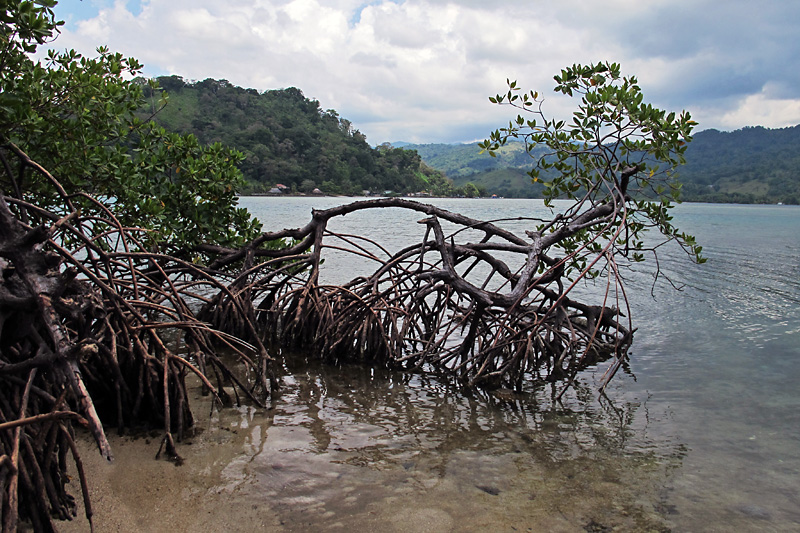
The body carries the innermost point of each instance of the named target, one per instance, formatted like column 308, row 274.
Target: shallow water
column 362, row 450
column 704, row 435
column 714, row 393
column 723, row 355
column 355, row 448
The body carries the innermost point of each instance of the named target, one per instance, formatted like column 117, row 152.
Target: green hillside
column 504, row 175
column 751, row 165
column 288, row 139
column 506, row 182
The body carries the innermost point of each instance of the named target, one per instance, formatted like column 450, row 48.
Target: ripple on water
column 714, row 365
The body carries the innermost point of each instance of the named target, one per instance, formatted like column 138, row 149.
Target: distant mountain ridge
column 288, row 140
column 750, row 165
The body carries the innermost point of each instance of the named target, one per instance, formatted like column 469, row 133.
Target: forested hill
column 288, row 139
column 751, row 165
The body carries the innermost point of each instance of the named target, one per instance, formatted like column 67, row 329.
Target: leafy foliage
column 617, row 154
column 76, row 117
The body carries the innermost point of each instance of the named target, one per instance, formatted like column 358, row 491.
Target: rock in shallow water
column 494, row 491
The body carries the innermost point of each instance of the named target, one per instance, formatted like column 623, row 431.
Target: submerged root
column 99, row 330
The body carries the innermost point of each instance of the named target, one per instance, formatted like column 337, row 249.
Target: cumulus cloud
column 766, row 107
column 421, row 70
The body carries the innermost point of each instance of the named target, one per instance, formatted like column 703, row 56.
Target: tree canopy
column 102, row 218
column 616, row 159
column 76, row 117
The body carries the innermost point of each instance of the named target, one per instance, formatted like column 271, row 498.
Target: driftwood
column 97, row 329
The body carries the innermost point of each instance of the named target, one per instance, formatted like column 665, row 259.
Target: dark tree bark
column 97, row 329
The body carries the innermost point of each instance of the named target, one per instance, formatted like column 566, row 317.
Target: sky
column 422, row 70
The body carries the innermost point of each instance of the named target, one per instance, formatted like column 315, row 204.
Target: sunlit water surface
column 703, row 436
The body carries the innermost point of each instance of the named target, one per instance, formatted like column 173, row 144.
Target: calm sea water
column 704, row 435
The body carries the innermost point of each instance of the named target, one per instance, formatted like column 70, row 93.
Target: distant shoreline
column 422, row 198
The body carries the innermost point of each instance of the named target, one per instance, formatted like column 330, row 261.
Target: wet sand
column 137, row 493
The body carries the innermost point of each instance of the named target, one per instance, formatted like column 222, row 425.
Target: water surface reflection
column 717, row 371
column 365, row 449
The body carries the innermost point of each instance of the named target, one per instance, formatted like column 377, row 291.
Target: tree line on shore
column 287, row 139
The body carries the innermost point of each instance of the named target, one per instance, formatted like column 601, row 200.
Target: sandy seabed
column 242, row 473
column 136, row 493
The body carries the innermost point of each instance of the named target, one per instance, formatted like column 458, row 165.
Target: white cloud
column 422, row 70
column 763, row 108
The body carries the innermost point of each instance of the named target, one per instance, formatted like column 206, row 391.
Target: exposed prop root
column 449, row 307
column 96, row 328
